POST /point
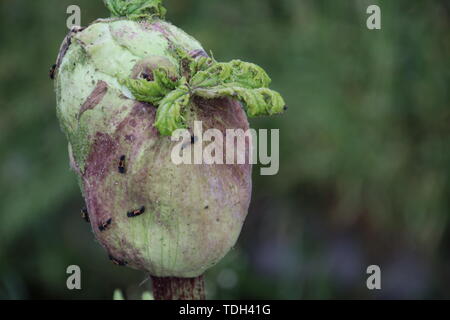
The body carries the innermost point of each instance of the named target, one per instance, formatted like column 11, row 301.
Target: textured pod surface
column 193, row 213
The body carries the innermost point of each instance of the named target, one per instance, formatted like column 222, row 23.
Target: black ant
column 52, row 72
column 121, row 167
column 136, row 213
column 85, row 214
column 105, row 225
column 117, row 262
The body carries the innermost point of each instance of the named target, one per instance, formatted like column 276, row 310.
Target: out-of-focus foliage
column 365, row 156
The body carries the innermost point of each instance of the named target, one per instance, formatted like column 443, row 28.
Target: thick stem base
column 178, row 288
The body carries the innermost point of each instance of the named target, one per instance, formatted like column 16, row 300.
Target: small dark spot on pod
column 285, row 108
column 135, row 213
column 121, row 167
column 207, row 207
column 85, row 214
column 105, row 225
column 117, row 261
column 52, row 72
column 147, row 76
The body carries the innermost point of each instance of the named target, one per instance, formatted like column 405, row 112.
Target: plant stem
column 178, row 288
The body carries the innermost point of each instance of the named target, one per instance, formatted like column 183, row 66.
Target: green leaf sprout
column 208, row 79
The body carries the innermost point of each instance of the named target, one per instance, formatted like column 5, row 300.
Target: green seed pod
column 123, row 85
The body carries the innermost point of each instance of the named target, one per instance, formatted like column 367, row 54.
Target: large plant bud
column 123, row 86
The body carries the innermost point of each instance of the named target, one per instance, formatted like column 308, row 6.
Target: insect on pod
column 135, row 213
column 117, row 262
column 147, row 77
column 105, row 225
column 85, row 214
column 122, row 165
column 52, row 72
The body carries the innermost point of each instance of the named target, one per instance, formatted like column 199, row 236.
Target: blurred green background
column 364, row 176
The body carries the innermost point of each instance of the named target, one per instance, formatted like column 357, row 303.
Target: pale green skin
column 194, row 214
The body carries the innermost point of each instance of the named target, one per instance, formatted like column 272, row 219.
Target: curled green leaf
column 169, row 115
column 235, row 73
column 151, row 91
column 257, row 102
column 262, row 102
column 200, row 64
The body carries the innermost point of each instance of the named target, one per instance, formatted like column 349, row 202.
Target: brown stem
column 178, row 288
